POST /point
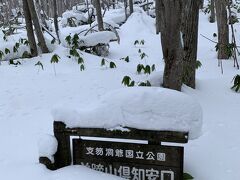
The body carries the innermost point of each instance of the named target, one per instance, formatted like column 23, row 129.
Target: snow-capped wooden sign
column 130, row 160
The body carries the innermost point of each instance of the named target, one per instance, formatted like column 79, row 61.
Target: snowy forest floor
column 27, row 95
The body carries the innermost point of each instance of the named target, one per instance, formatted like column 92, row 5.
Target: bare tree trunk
column 113, row 4
column 125, row 8
column 212, row 9
column 158, row 19
column 41, row 40
column 131, row 6
column 171, row 11
column 201, row 4
column 29, row 27
column 99, row 15
column 223, row 29
column 56, row 19
column 47, row 7
column 190, row 39
column 39, row 13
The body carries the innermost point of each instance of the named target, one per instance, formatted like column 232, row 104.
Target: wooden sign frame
column 173, row 154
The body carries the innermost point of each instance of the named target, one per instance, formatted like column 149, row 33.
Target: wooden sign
column 130, row 160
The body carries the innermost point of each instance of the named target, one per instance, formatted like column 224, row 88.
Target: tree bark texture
column 56, row 19
column 212, row 18
column 223, row 29
column 190, row 39
column 99, row 15
column 40, row 37
column 158, row 19
column 170, row 13
column 131, row 6
column 29, row 27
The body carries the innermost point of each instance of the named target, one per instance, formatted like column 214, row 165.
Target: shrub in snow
column 47, row 146
column 236, row 83
column 106, row 63
column 95, row 43
column 141, row 68
column 73, row 19
column 137, row 107
column 73, row 43
column 12, row 51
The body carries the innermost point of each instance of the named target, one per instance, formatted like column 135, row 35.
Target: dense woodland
column 173, row 20
column 93, row 54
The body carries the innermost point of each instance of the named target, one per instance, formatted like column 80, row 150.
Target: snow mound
column 116, row 15
column 79, row 17
column 138, row 22
column 93, row 39
column 156, row 79
column 80, row 172
column 147, row 108
column 47, row 146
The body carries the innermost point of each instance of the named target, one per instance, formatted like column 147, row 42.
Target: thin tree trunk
column 212, row 18
column 99, row 15
column 125, row 8
column 39, row 13
column 29, row 27
column 41, row 40
column 190, row 39
column 56, row 19
column 158, row 19
column 170, row 11
column 201, row 4
column 113, row 4
column 131, row 6
column 223, row 29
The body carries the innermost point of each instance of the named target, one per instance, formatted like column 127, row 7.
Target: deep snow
column 28, row 94
column 149, row 108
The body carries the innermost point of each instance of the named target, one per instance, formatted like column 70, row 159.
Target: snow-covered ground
column 28, row 94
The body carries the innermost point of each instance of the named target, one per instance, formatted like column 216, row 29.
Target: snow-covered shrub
column 95, row 43
column 73, row 19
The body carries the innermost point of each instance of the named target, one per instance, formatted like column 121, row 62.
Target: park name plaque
column 130, row 160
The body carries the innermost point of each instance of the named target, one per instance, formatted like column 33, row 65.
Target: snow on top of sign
column 147, row 108
column 47, row 146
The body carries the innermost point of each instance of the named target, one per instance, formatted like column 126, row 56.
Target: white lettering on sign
column 152, row 174
column 124, row 172
column 139, row 155
column 129, row 153
column 131, row 173
column 167, row 172
column 109, row 152
column 99, row 151
column 161, row 156
column 90, row 150
column 150, row 156
column 120, row 153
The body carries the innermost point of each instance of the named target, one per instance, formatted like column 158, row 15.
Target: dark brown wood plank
column 138, row 134
column 63, row 154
